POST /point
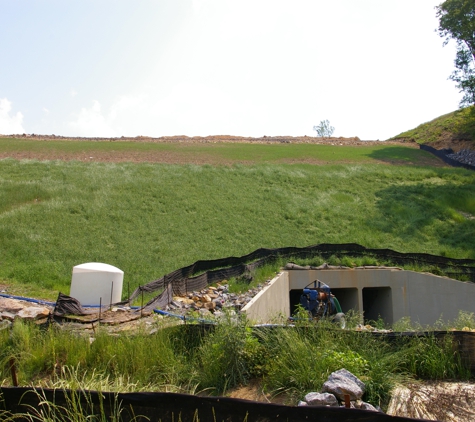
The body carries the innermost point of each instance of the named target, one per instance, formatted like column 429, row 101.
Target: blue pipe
column 27, row 299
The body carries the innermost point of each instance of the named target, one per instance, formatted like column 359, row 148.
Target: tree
column 324, row 129
column 457, row 22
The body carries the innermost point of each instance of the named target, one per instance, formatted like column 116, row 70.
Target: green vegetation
column 324, row 129
column 458, row 125
column 150, row 219
column 457, row 22
column 186, row 358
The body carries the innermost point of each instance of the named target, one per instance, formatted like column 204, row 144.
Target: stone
column 302, row 403
column 120, row 309
column 344, row 382
column 185, row 300
column 10, row 305
column 33, row 313
column 7, row 315
column 206, row 299
column 321, row 399
column 347, row 374
column 210, row 305
column 218, row 303
column 367, row 406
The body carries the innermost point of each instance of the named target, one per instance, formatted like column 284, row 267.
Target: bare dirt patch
column 254, row 391
column 177, row 157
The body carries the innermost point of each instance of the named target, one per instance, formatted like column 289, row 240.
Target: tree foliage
column 457, row 22
column 324, row 129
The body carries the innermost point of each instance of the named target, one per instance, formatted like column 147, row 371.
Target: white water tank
column 94, row 283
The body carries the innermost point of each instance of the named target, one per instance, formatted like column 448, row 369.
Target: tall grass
column 188, row 359
column 151, row 219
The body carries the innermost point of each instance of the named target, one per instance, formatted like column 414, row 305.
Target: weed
column 465, row 320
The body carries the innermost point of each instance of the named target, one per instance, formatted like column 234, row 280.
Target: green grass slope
column 150, row 219
column 444, row 130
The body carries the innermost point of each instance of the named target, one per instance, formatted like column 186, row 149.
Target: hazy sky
column 373, row 68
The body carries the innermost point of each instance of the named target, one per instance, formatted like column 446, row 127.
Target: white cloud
column 73, row 92
column 9, row 124
column 90, row 122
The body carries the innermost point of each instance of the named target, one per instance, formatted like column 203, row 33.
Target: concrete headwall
column 387, row 293
column 271, row 302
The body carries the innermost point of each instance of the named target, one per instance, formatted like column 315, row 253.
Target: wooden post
column 141, row 307
column 112, row 290
column 13, row 372
column 347, row 400
column 100, row 310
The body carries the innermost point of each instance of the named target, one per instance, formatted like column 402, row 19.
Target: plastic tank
column 94, row 283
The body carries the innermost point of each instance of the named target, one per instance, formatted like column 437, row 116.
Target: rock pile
column 14, row 308
column 338, row 385
column 465, row 156
column 212, row 301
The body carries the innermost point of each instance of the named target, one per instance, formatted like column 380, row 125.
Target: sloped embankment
column 454, row 130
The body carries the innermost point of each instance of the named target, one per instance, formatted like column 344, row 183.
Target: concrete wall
column 389, row 293
column 271, row 302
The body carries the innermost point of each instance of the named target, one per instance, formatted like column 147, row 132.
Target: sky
column 111, row 68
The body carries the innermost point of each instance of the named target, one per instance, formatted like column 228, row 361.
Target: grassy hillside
column 449, row 128
column 150, row 219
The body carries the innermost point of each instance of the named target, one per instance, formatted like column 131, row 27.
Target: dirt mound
column 218, row 139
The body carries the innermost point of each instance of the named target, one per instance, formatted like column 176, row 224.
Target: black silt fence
column 442, row 154
column 185, row 280
column 171, row 407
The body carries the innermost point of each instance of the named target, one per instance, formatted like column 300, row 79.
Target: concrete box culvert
column 390, row 294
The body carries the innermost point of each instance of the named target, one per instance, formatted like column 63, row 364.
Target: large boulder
column 343, row 382
column 321, row 399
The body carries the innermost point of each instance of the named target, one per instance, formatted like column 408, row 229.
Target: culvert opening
column 377, row 303
column 348, row 298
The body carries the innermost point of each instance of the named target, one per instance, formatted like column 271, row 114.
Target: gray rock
column 33, row 313
column 204, row 312
column 321, row 399
column 347, row 374
column 343, row 382
column 7, row 315
column 465, row 156
column 218, row 302
column 302, row 403
column 367, row 406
